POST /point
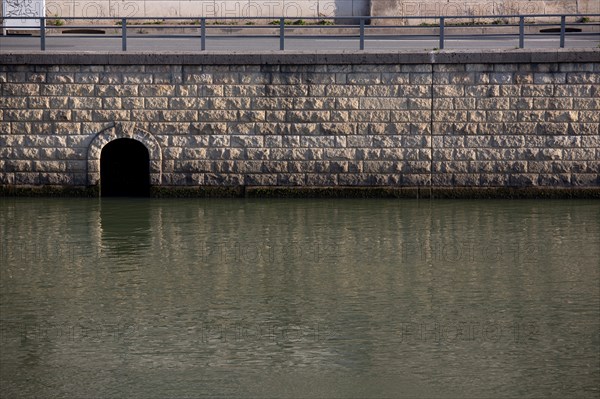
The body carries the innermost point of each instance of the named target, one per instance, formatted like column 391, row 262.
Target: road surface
column 137, row 42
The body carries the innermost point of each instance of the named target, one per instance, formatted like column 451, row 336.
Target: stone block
column 92, row 103
column 574, row 90
column 482, row 91
column 313, row 179
column 416, row 180
column 22, row 115
column 382, row 167
column 554, row 180
column 381, row 90
column 522, row 180
column 395, row 78
column 286, row 90
column 264, row 154
column 217, row 115
column 419, row 79
column 185, row 90
column 339, row 154
column 587, row 103
column 223, row 179
column 301, row 167
column 590, row 141
column 291, row 179
column 132, row 103
column 538, row 90
column 260, row 179
column 145, row 90
column 345, row 103
column 18, row 166
column 448, row 91
column 376, row 103
column 585, row 179
column 338, row 128
column 27, row 178
column 22, row 102
column 18, row 89
column 254, row 78
column 553, row 103
column 319, row 103
column 247, row 141
column 363, row 78
column 303, row 128
column 346, row 90
column 197, row 77
column 137, row 78
column 582, row 78
column 286, row 79
column 368, row 116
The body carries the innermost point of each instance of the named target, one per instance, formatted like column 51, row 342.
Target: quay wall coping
column 510, row 56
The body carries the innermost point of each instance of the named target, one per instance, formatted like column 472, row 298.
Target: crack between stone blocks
column 182, row 71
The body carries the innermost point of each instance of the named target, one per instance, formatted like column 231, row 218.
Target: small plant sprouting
column 56, row 21
column 325, row 22
column 156, row 22
column 298, row 22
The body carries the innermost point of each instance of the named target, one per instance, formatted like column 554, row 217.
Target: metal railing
column 440, row 23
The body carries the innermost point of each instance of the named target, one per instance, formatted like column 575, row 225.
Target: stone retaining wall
column 500, row 119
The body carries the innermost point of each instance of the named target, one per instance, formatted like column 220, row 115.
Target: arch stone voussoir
column 123, row 130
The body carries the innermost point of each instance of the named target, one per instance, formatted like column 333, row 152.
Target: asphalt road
column 262, row 43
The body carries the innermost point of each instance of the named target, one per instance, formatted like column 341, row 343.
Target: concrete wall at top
column 414, row 8
column 312, row 8
column 206, row 8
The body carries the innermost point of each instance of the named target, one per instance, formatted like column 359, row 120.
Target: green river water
column 144, row 298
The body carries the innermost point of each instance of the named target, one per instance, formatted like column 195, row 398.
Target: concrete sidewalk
column 137, row 42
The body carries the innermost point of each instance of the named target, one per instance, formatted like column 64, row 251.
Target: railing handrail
column 281, row 24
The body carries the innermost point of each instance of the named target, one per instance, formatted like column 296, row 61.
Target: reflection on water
column 125, row 228
column 188, row 298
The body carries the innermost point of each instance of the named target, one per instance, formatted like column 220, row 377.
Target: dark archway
column 124, row 169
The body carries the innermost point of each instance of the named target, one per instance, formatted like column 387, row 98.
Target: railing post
column 203, row 34
column 281, row 34
column 562, row 31
column 521, row 32
column 43, row 34
column 362, row 34
column 124, row 34
column 441, row 33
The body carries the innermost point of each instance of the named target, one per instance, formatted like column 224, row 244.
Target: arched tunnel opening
column 124, row 169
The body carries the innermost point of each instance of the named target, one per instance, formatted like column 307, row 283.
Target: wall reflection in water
column 154, row 298
column 125, row 226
